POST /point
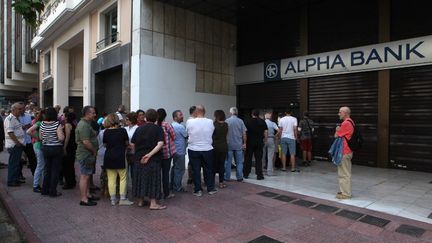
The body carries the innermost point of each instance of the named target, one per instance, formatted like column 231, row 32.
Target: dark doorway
column 77, row 103
column 108, row 90
column 48, row 98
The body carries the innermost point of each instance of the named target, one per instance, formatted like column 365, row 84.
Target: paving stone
column 304, row 203
column 380, row 222
column 410, row 230
column 284, row 198
column 325, row 208
column 349, row 214
column 264, row 239
column 268, row 194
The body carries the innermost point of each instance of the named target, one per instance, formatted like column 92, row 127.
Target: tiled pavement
column 241, row 212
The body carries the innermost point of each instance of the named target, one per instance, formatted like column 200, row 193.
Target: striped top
column 49, row 133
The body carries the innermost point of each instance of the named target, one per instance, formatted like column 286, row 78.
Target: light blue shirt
column 181, row 138
column 236, row 129
column 271, row 128
column 26, row 120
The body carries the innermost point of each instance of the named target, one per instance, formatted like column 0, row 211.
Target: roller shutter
column 411, row 118
column 359, row 91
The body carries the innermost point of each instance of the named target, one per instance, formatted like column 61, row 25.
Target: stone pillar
column 61, row 77
column 383, row 89
column 88, row 87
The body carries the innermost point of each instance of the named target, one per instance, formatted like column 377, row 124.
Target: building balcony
column 106, row 42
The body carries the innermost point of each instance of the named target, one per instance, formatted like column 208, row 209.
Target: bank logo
column 271, row 71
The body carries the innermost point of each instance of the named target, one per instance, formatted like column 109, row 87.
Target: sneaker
column 260, row 178
column 125, row 202
column 198, row 193
column 342, row 196
column 240, row 180
column 214, row 191
column 37, row 189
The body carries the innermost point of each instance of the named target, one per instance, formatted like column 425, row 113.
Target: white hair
column 346, row 109
column 233, row 110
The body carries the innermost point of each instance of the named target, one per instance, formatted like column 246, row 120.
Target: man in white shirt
column 14, row 143
column 288, row 132
column 200, row 132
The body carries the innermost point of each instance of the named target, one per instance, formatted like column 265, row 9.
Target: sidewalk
column 241, row 212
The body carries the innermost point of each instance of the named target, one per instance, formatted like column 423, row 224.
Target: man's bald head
column 344, row 112
column 200, row 110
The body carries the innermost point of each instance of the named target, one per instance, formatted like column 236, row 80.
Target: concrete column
column 88, row 86
column 383, row 89
column 61, row 77
column 304, row 82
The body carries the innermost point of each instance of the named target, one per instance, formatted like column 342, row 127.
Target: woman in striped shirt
column 52, row 136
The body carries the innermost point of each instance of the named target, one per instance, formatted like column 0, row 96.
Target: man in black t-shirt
column 256, row 135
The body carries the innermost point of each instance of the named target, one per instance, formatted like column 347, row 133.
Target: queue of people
column 151, row 152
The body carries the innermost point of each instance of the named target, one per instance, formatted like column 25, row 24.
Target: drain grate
column 375, row 221
column 350, row 214
column 325, row 208
column 264, row 239
column 304, row 203
column 410, row 230
column 284, row 198
column 268, row 194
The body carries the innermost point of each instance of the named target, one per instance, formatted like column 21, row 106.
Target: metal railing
column 106, row 41
column 46, row 74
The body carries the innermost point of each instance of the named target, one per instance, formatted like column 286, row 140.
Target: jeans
column 269, row 150
column 202, row 159
column 165, row 168
column 28, row 150
column 53, row 162
column 14, row 164
column 255, row 149
column 238, row 157
column 39, row 168
column 177, row 172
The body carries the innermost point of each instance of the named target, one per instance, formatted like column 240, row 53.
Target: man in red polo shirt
column 345, row 130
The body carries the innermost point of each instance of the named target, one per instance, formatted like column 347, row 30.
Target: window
column 108, row 27
column 47, row 66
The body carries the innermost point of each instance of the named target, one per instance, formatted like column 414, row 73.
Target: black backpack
column 356, row 141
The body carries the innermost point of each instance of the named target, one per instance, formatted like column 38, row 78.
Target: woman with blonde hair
column 116, row 141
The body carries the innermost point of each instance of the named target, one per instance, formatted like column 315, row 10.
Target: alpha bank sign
column 397, row 54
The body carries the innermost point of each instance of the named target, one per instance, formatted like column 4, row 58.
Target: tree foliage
column 29, row 9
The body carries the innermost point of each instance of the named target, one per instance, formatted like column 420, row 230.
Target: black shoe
column 22, row 178
column 14, row 184
column 66, row 187
column 260, row 178
column 37, row 189
column 21, row 181
column 58, row 194
column 246, row 177
column 88, row 203
column 239, row 180
column 93, row 198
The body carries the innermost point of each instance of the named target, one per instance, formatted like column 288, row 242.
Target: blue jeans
column 39, row 168
column 177, row 172
column 14, row 164
column 239, row 160
column 202, row 159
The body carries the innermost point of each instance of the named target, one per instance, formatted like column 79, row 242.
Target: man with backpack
column 345, row 131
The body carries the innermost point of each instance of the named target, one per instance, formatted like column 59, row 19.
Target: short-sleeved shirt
column 26, row 119
column 12, row 124
column 146, row 138
column 346, row 130
column 84, row 131
column 220, row 136
column 236, row 129
column 200, row 132
column 169, row 148
column 271, row 128
column 115, row 143
column 181, row 138
column 288, row 125
column 255, row 130
column 305, row 128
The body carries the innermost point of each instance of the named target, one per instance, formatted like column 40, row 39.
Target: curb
column 29, row 235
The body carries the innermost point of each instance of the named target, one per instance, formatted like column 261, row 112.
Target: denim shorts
column 85, row 170
column 288, row 144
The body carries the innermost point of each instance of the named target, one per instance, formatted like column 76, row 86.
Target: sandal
column 222, row 185
column 159, row 207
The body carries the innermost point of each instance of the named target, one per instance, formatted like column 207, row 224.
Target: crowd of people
column 144, row 151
